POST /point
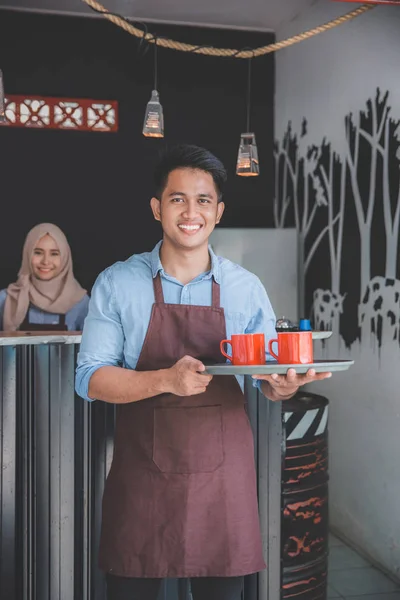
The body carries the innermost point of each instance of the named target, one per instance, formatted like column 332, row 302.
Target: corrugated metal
column 55, row 454
column 56, row 451
column 7, row 473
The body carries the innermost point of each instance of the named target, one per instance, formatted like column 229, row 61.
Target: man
column 180, row 499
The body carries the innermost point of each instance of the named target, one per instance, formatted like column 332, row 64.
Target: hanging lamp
column 153, row 125
column 247, row 161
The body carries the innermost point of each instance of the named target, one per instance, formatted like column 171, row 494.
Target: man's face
column 188, row 209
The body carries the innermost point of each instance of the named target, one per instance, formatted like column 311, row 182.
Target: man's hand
column 186, row 377
column 283, row 387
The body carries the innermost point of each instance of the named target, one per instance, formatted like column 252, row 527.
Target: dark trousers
column 203, row 588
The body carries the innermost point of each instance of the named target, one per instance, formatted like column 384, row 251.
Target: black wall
column 97, row 186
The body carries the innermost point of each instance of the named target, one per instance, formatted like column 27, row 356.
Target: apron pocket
column 188, row 439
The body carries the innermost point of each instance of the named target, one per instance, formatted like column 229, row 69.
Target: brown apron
column 26, row 325
column 180, row 499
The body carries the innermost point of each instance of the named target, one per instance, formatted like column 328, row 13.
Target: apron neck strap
column 158, row 291
column 216, row 294
column 159, row 294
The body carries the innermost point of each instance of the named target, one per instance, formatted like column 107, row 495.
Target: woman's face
column 46, row 259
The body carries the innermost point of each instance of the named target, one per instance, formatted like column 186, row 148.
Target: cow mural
column 379, row 310
column 326, row 310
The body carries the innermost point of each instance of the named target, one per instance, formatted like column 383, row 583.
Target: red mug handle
column 270, row 348
column 221, row 346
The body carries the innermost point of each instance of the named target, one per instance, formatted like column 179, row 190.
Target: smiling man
column 181, row 498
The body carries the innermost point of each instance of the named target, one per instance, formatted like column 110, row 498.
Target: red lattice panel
column 68, row 114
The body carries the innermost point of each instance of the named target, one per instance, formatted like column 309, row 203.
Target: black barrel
column 304, row 524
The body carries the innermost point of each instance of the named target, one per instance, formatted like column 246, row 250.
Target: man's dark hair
column 186, row 156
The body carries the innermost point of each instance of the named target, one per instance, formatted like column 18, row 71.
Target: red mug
column 294, row 348
column 247, row 349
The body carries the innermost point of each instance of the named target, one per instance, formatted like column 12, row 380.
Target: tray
column 319, row 366
column 321, row 335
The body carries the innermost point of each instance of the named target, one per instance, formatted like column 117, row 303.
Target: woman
column 46, row 296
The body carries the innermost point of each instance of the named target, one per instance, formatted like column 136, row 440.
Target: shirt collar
column 156, row 265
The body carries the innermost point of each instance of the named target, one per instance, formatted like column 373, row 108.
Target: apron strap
column 158, row 291
column 216, row 294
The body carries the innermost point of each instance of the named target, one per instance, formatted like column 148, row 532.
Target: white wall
column 323, row 79
column 256, row 250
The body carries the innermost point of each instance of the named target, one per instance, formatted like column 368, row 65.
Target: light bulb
column 153, row 125
column 247, row 161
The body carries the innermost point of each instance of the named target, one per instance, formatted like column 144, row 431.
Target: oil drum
column 304, row 521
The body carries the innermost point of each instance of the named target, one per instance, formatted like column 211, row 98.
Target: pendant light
column 2, row 99
column 247, row 161
column 153, row 125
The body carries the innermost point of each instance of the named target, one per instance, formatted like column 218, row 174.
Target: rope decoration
column 224, row 52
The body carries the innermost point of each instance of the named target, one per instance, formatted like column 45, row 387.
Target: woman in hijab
column 46, row 296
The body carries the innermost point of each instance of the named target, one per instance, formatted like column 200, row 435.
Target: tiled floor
column 353, row 578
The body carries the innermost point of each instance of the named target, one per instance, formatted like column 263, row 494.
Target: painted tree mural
column 318, row 189
column 331, row 172
column 297, row 186
column 363, row 137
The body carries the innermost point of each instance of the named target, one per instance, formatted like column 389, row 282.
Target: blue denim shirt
column 74, row 318
column 123, row 295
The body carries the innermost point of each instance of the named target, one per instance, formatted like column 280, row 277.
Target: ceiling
column 265, row 15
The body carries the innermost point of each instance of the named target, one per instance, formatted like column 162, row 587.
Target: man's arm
column 121, row 386
column 99, row 374
column 275, row 387
column 273, row 394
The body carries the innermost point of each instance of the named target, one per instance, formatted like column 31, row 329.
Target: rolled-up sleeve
column 102, row 337
column 263, row 319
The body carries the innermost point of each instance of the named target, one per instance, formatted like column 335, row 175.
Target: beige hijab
column 58, row 295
